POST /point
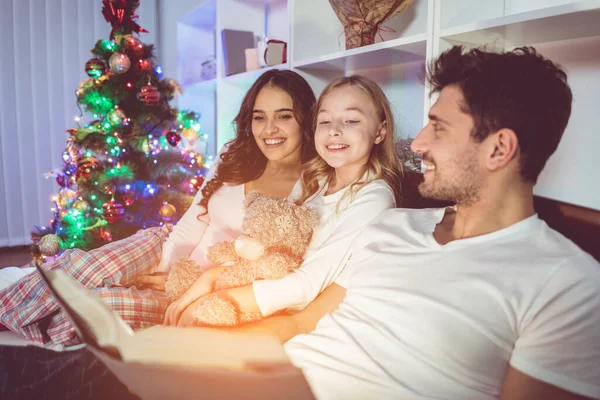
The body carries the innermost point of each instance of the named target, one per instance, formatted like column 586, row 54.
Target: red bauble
column 144, row 65
column 149, row 95
column 173, row 138
column 95, row 68
column 134, row 45
column 86, row 166
column 112, row 211
column 61, row 180
column 128, row 198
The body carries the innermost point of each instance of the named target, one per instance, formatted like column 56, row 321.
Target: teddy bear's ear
column 251, row 198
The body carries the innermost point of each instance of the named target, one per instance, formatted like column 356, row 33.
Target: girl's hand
column 186, row 318
column 151, row 281
column 201, row 287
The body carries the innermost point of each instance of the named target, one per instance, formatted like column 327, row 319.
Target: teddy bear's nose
column 248, row 248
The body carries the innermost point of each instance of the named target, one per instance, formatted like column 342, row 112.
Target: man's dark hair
column 518, row 90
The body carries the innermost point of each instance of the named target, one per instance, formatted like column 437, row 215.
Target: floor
column 14, row 256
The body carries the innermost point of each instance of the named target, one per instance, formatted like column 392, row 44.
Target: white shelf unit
column 566, row 31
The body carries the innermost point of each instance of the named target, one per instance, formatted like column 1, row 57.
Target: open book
column 167, row 362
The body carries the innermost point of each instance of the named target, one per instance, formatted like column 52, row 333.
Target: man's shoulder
column 564, row 249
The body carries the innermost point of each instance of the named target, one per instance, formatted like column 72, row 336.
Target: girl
column 353, row 178
column 274, row 137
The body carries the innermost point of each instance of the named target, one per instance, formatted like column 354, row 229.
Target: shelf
column 247, row 78
column 569, row 21
column 203, row 16
column 397, row 51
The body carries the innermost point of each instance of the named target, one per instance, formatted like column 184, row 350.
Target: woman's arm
column 189, row 230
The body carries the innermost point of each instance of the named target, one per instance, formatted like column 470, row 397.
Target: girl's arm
column 320, row 268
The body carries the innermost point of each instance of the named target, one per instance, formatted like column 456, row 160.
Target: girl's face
column 274, row 125
column 347, row 128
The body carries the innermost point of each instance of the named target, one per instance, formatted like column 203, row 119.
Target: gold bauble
column 167, row 212
column 81, row 205
column 49, row 245
column 66, row 197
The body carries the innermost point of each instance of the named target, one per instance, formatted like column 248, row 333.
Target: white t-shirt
column 422, row 320
column 323, row 261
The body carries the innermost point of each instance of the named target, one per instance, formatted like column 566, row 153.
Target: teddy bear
column 276, row 234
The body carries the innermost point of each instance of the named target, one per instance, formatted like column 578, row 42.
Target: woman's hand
column 201, row 287
column 151, row 281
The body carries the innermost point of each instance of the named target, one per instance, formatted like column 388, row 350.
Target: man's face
column 453, row 160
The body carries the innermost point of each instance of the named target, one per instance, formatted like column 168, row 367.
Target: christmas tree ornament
column 112, row 211
column 61, row 180
column 62, row 213
column 81, row 205
column 196, row 182
column 49, row 245
column 121, row 16
column 167, row 212
column 144, row 65
column 133, row 44
column 149, row 95
column 119, row 63
column 66, row 197
column 173, row 138
column 128, row 198
column 158, row 70
column 200, row 160
column 108, row 45
column 85, row 167
column 105, row 235
column 190, row 134
column 95, row 68
column 116, row 117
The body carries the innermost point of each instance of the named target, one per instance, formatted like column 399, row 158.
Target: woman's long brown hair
column 243, row 161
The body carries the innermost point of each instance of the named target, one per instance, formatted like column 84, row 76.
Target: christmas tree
column 133, row 164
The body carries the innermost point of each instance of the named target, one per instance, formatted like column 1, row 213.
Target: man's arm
column 286, row 326
column 519, row 386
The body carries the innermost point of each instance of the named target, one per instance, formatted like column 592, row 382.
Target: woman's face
column 347, row 128
column 274, row 125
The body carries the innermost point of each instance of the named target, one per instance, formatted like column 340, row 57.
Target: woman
column 274, row 137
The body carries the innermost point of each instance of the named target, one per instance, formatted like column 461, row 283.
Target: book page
column 203, row 347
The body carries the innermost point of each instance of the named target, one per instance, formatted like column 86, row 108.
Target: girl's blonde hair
column 382, row 163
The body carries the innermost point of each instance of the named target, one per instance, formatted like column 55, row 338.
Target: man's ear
column 381, row 134
column 503, row 147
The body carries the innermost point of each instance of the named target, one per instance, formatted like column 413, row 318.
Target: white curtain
column 44, row 45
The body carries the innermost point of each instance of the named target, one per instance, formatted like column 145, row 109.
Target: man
column 479, row 301
column 482, row 300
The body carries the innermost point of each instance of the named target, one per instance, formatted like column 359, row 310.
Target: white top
column 338, row 228
column 192, row 236
column 422, row 320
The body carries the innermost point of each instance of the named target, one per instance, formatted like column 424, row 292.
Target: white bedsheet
column 10, row 275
